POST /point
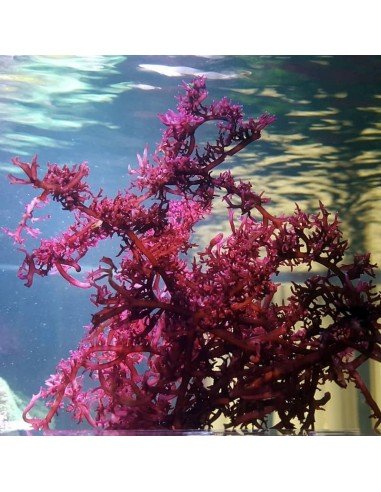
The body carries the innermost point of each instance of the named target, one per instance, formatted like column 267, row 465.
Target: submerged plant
column 177, row 343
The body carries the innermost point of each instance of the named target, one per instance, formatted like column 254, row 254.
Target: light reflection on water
column 325, row 144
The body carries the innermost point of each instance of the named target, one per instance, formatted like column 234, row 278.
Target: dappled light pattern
column 39, row 92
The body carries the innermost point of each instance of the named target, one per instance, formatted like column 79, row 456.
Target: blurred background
column 325, row 145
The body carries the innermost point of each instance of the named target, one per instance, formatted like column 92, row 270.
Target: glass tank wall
column 324, row 145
